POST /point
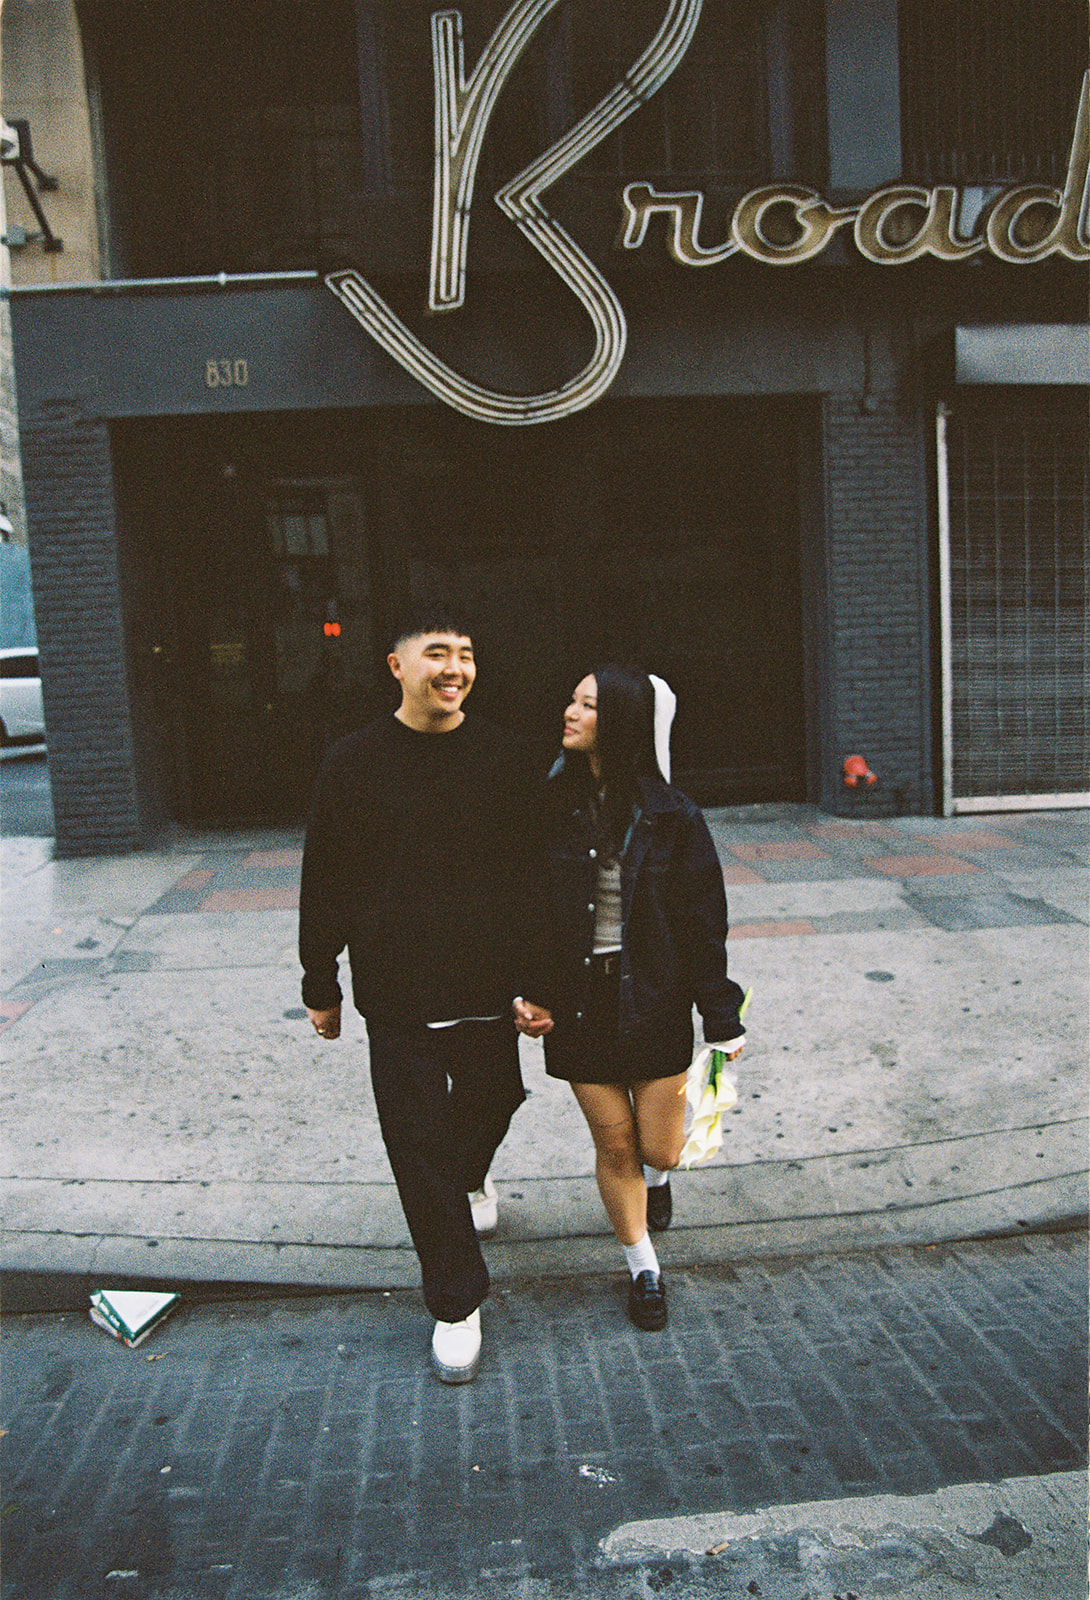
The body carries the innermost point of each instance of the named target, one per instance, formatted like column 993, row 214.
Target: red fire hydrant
column 856, row 770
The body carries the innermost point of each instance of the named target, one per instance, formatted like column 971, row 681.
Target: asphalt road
column 26, row 804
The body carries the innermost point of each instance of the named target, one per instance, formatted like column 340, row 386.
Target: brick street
column 300, row 1447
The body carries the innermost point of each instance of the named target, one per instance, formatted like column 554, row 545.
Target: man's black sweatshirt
column 422, row 857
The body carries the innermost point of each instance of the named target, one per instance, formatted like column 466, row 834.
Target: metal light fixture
column 17, row 151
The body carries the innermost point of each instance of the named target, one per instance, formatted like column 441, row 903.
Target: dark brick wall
column 72, row 533
column 878, row 605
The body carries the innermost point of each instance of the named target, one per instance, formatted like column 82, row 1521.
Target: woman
column 641, row 921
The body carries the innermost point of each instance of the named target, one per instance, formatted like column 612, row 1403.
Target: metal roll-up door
column 1016, row 545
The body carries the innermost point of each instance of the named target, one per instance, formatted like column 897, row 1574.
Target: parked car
column 21, row 718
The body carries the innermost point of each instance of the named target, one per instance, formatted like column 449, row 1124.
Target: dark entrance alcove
column 267, row 556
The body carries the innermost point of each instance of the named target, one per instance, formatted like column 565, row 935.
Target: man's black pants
column 445, row 1097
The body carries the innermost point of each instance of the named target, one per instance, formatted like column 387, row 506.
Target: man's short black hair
column 435, row 617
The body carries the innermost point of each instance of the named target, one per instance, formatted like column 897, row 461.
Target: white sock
column 641, row 1256
column 654, row 1179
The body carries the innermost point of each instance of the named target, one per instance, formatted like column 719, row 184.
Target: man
column 419, row 857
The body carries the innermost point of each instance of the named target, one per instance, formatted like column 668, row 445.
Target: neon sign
column 462, row 110
column 891, row 226
column 781, row 225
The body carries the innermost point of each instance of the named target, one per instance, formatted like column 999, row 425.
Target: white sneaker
column 484, row 1204
column 456, row 1348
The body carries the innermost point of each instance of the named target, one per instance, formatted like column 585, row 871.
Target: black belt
column 607, row 963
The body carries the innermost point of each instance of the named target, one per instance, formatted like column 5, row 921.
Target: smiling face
column 581, row 718
column 436, row 672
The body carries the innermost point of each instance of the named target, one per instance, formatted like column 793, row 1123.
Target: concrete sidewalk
column 916, row 1067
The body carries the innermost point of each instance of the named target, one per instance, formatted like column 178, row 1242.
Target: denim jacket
column 673, row 913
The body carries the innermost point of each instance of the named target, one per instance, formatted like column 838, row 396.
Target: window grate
column 989, row 89
column 1019, row 595
column 232, row 133
column 710, row 119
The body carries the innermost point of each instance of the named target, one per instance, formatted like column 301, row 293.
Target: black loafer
column 647, row 1302
column 660, row 1207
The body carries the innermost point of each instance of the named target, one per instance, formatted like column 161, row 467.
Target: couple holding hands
column 589, row 909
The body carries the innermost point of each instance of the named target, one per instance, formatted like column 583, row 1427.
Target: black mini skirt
column 592, row 1051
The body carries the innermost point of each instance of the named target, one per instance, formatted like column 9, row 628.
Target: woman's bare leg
column 619, row 1170
column 659, row 1106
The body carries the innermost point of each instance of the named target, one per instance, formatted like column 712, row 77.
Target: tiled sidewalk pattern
column 768, row 853
column 301, row 1447
column 237, row 880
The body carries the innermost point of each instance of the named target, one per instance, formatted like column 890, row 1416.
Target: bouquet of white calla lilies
column 710, row 1090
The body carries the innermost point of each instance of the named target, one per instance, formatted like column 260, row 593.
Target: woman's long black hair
column 626, row 747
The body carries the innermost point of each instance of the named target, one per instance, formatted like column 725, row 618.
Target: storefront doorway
column 249, row 595
column 1015, row 527
column 264, row 558
column 664, row 532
